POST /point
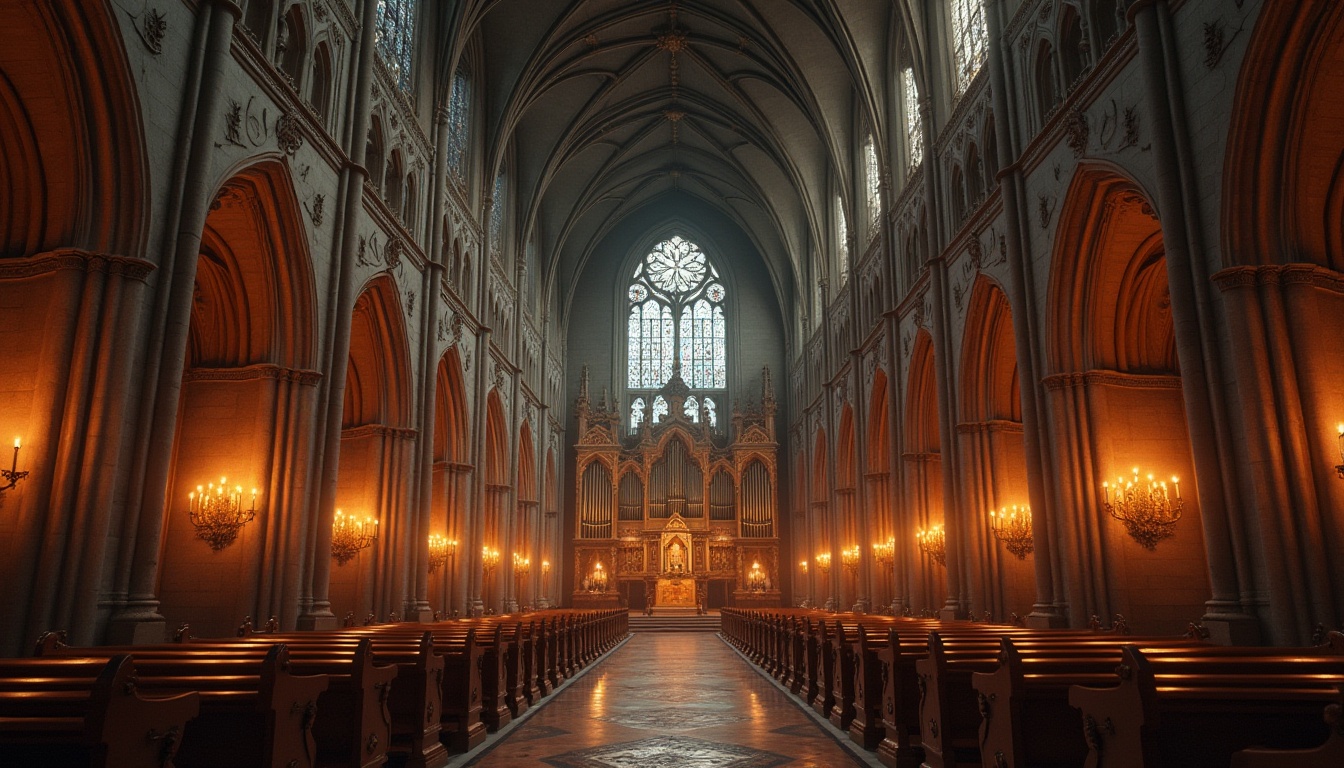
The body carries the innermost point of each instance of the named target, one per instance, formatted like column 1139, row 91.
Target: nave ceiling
column 602, row 108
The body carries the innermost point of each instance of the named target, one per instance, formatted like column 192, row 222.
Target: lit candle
column 1176, row 483
column 14, row 467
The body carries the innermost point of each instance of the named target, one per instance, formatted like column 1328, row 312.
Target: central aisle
column 670, row 700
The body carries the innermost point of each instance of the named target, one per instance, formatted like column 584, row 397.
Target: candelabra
column 1013, row 528
column 1149, row 513
column 489, row 560
column 849, row 558
column 803, row 565
column 521, row 567
column 597, row 582
column 885, row 554
column 441, row 548
column 545, row 581
column 824, row 563
column 217, row 513
column 349, row 536
column 756, row 578
column 1339, row 470
column 933, row 542
column 12, row 475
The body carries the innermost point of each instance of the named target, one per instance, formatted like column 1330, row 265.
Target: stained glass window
column 970, row 40
column 873, row 187
column 914, row 136
column 841, row 242
column 459, row 124
column 691, row 409
column 676, row 282
column 497, row 214
column 712, row 411
column 394, row 37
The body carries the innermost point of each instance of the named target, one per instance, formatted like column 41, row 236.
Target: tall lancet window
column 872, row 186
column 394, row 38
column 970, row 40
column 841, row 241
column 459, row 125
column 676, row 311
column 914, row 131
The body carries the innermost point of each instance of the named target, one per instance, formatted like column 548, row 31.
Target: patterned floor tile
column 668, row 752
column 673, row 719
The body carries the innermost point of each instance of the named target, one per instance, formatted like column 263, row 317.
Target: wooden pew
column 1330, row 754
column 254, row 711
column 1193, row 710
column 87, row 712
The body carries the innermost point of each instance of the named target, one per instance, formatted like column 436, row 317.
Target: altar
column 675, row 593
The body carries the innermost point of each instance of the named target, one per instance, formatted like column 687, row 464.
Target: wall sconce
column 13, row 475
column 489, row 559
column 349, row 536
column 441, row 548
column 217, row 513
column 824, row 563
column 521, row 567
column 756, row 578
column 933, row 542
column 849, row 558
column 1339, row 470
column 1013, row 528
column 885, row 554
column 803, row 564
column 1149, row 514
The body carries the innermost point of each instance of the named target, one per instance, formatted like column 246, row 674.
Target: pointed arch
column 921, row 406
column 990, row 389
column 1108, row 302
column 378, row 384
column 72, row 155
column 452, row 425
column 255, row 299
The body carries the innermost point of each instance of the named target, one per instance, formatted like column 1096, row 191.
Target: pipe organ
column 674, row 507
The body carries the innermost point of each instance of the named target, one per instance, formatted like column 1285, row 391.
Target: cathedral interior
column 334, row 312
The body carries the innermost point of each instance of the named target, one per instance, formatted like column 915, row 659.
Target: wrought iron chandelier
column 1148, row 512
column 218, row 513
column 1012, row 526
column 349, row 536
column 933, row 542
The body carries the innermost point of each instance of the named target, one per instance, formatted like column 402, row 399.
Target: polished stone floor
column 669, row 700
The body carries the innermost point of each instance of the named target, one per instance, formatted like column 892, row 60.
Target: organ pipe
column 596, row 499
column 757, row 502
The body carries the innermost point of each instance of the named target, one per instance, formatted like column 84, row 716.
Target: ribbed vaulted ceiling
column 602, row 106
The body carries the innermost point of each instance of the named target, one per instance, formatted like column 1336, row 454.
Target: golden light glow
column 349, row 535
column 216, row 512
column 440, row 549
column 824, row 562
column 933, row 542
column 849, row 558
column 1149, row 511
column 12, row 476
column 1012, row 526
column 885, row 554
column 489, row 559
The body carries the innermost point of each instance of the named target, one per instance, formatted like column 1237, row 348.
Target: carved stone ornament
column 1131, row 123
column 392, row 254
column 151, row 26
column 288, row 133
column 1076, row 131
column 233, row 124
column 316, row 210
column 410, row 303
